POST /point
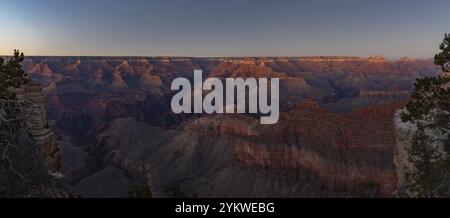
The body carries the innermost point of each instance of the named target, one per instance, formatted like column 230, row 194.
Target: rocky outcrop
column 404, row 135
column 33, row 102
column 150, row 82
column 117, row 81
column 31, row 158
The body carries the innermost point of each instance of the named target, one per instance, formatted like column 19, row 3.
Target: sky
column 210, row 28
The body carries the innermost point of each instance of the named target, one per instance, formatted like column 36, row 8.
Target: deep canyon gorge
column 336, row 137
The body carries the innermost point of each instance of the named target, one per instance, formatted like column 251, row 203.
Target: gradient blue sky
column 392, row 28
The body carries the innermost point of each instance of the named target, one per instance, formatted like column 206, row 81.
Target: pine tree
column 21, row 169
column 429, row 109
column 443, row 58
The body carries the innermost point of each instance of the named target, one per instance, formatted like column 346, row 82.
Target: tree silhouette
column 443, row 58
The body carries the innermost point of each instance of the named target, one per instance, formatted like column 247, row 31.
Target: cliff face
column 33, row 101
column 30, row 159
column 404, row 135
column 346, row 152
column 310, row 153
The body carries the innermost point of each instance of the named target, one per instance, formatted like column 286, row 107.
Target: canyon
column 336, row 135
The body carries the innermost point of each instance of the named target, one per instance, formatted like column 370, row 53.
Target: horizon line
column 218, row 57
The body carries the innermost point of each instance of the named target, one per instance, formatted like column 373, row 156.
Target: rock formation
column 33, row 102
column 31, row 159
